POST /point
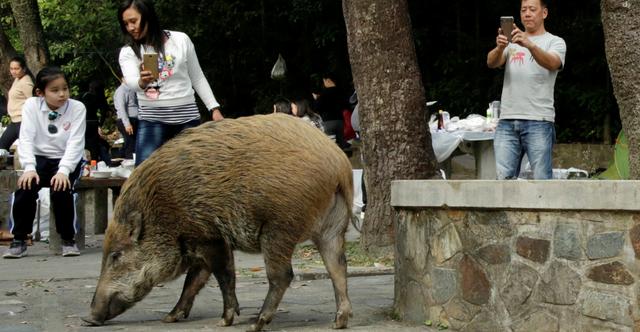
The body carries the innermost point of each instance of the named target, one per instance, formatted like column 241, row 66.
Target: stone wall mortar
column 568, row 264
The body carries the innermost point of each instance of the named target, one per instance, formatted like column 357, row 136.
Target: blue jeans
column 514, row 138
column 151, row 136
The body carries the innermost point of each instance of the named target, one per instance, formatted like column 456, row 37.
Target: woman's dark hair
column 45, row 76
column 23, row 64
column 282, row 105
column 148, row 18
column 304, row 108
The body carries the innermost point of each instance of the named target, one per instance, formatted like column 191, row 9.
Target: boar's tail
column 341, row 212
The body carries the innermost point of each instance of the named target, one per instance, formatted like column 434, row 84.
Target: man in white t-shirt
column 532, row 61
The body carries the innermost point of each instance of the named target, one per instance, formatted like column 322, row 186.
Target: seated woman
column 302, row 109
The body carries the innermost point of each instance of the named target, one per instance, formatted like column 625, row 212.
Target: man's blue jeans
column 514, row 138
column 151, row 136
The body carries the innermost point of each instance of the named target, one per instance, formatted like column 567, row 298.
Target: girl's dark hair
column 148, row 18
column 304, row 108
column 23, row 64
column 45, row 76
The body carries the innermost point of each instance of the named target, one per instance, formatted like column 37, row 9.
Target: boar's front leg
column 223, row 267
column 197, row 277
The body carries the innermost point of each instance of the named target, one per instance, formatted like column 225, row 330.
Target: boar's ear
column 137, row 228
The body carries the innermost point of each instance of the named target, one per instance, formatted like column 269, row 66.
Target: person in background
column 97, row 111
column 329, row 105
column 302, row 109
column 167, row 103
column 125, row 101
column 282, row 105
column 355, row 114
column 532, row 61
column 21, row 89
column 50, row 149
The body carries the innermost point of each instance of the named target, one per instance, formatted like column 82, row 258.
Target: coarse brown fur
column 256, row 184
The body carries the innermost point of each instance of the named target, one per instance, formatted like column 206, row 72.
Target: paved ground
column 45, row 292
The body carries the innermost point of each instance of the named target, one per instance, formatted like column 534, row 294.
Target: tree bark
column 395, row 135
column 621, row 24
column 27, row 16
column 7, row 51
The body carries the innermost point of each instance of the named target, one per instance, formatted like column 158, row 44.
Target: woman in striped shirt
column 167, row 102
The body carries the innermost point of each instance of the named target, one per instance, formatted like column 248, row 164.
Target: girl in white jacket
column 50, row 148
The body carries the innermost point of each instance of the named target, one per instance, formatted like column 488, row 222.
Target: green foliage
column 83, row 37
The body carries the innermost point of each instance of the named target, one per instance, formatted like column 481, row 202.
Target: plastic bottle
column 440, row 120
column 489, row 113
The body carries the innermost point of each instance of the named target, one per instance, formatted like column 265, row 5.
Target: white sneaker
column 70, row 250
column 17, row 249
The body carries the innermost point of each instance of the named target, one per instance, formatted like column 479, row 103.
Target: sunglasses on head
column 53, row 115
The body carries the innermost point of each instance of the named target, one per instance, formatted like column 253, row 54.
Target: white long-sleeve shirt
column 179, row 76
column 35, row 140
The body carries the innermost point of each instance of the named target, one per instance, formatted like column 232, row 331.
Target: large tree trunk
column 6, row 53
column 621, row 23
column 27, row 16
column 396, row 139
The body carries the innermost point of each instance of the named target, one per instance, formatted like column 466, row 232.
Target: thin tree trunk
column 396, row 139
column 6, row 53
column 621, row 24
column 27, row 16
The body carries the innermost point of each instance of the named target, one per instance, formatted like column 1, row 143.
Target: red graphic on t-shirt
column 519, row 57
column 66, row 126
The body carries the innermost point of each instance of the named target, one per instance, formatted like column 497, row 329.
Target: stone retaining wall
column 506, row 255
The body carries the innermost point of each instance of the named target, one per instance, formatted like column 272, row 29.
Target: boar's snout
column 104, row 308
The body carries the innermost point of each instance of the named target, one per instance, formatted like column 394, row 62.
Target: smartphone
column 506, row 24
column 150, row 61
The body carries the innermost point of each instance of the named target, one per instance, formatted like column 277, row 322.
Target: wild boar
column 257, row 184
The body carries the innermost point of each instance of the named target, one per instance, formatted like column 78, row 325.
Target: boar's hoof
column 225, row 322
column 89, row 321
column 342, row 318
column 173, row 317
column 228, row 316
column 256, row 326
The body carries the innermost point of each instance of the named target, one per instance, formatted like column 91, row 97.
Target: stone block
column 518, row 287
column 414, row 309
column 485, row 321
column 539, row 321
column 446, row 244
column 614, row 273
column 495, row 254
column 566, row 242
column 559, row 284
column 634, row 237
column 536, row 250
column 605, row 245
column 461, row 310
column 607, row 307
column 476, row 287
column 444, row 284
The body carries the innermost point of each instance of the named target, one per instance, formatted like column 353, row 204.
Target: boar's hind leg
column 224, row 271
column 196, row 279
column 277, row 258
column 330, row 242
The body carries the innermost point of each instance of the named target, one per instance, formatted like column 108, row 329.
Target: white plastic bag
column 279, row 70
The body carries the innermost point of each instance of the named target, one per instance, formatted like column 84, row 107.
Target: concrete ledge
column 510, row 194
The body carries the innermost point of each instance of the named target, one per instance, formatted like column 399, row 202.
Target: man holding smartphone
column 532, row 61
